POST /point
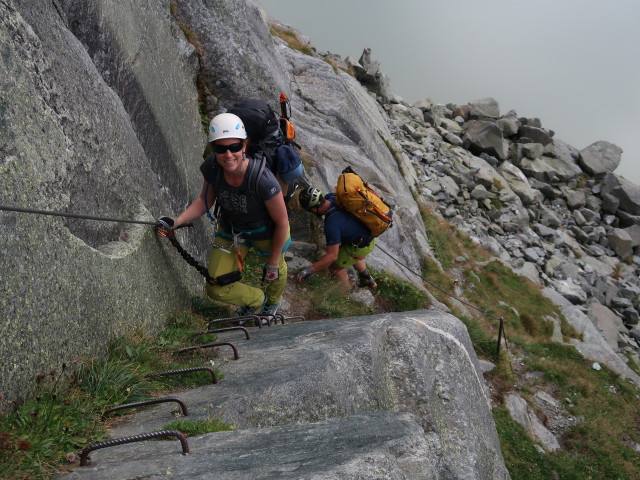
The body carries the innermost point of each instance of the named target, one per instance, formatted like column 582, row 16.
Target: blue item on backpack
column 289, row 163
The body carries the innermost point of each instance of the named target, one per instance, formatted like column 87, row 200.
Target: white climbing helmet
column 226, row 125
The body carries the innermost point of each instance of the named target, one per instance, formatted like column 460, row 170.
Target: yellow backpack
column 355, row 196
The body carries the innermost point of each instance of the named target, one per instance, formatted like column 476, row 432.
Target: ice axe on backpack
column 286, row 127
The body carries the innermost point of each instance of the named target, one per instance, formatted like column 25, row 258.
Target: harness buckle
column 237, row 241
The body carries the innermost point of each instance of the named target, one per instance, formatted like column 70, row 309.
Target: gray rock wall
column 318, row 378
column 99, row 102
column 114, row 134
column 337, row 122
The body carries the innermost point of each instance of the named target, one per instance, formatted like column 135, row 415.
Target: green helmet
column 310, row 198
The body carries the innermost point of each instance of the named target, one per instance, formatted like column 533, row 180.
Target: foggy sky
column 572, row 63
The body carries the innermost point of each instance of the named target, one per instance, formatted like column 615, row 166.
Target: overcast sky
column 572, row 63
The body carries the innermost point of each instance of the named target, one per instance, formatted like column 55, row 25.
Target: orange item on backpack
column 356, row 197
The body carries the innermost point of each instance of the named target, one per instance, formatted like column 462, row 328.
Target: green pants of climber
column 221, row 262
column 350, row 254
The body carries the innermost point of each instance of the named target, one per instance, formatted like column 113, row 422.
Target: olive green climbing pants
column 221, row 262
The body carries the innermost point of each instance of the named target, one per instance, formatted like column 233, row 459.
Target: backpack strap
column 206, row 202
column 255, row 175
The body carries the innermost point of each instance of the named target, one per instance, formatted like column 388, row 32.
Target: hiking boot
column 247, row 310
column 270, row 308
column 367, row 282
column 244, row 311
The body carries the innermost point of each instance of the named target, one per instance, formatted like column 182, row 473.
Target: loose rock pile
column 555, row 214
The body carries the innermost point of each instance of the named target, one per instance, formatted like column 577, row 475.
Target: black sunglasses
column 234, row 147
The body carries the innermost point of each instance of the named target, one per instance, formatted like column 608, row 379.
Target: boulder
column 484, row 136
column 548, row 217
column 425, row 104
column 409, row 377
column 591, row 345
column 369, row 74
column 479, row 192
column 390, row 445
column 522, row 413
column 626, row 219
column 634, row 234
column 571, row 291
column 621, row 242
column 532, row 150
column 610, row 203
column 607, row 321
column 600, row 158
column 535, row 134
column 531, row 122
column 529, row 270
column 575, row 198
column 600, row 267
column 519, row 183
column 547, row 190
column 567, row 155
column 564, row 170
column 450, row 125
column 509, row 126
column 462, row 111
column 631, row 316
column 450, row 187
column 484, row 108
column 541, row 169
column 626, row 192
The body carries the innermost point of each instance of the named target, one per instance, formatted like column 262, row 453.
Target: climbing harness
column 168, row 232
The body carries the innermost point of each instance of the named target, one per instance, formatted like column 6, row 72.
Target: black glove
column 270, row 273
column 306, row 273
column 164, row 226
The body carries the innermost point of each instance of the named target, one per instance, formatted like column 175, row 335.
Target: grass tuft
column 113, row 382
column 292, row 39
column 328, row 299
column 198, row 427
column 400, row 295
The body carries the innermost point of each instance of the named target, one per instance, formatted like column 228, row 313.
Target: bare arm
column 198, row 206
column 283, row 186
column 330, row 256
column 278, row 213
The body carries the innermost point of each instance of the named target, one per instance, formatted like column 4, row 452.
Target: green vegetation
column 65, row 413
column 198, row 427
column 600, row 445
column 292, row 39
column 399, row 295
column 201, row 83
column 43, row 433
column 36, row 437
column 103, row 381
column 521, row 456
column 398, row 159
column 483, row 343
column 597, row 447
column 333, row 64
column 327, row 299
column 449, row 243
column 497, row 290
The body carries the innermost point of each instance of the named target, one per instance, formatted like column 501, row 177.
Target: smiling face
column 230, row 154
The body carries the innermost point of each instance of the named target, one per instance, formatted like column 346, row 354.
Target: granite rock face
column 377, row 445
column 99, row 115
column 89, row 128
column 341, row 383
